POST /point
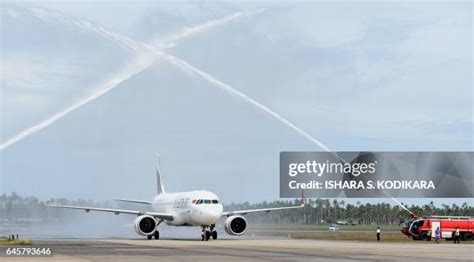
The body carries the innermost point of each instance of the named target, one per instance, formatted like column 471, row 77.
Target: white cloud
column 446, row 39
column 310, row 26
column 12, row 13
column 33, row 72
column 29, row 100
column 331, row 33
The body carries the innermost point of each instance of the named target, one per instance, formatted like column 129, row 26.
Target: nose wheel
column 208, row 232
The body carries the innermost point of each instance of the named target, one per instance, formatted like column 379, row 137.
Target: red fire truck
column 424, row 228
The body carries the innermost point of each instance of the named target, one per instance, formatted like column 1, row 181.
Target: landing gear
column 155, row 234
column 208, row 232
column 213, row 232
column 214, row 235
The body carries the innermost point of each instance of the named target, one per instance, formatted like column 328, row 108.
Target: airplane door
column 435, row 225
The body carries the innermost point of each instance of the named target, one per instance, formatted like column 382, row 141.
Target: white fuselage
column 193, row 208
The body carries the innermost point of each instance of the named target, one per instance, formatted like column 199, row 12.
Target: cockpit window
column 205, row 201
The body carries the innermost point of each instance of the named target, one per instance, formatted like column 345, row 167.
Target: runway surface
column 246, row 250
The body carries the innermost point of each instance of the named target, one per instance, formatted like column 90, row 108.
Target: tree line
column 323, row 211
column 17, row 209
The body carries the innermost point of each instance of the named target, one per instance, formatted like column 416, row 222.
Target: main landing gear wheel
column 208, row 232
column 156, row 235
column 206, row 235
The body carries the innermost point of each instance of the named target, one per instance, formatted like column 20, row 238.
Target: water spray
column 119, row 77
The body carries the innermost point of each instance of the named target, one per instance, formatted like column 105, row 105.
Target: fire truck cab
column 424, row 228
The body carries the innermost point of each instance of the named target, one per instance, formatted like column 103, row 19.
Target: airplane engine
column 235, row 225
column 145, row 225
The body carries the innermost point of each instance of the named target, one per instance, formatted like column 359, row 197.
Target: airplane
column 193, row 208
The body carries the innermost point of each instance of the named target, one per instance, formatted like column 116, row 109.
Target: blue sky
column 356, row 76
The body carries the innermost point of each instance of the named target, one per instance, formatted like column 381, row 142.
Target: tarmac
column 243, row 250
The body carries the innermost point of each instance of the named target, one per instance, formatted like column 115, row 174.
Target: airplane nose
column 208, row 214
column 215, row 213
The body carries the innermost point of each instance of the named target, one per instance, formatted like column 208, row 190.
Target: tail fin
column 159, row 183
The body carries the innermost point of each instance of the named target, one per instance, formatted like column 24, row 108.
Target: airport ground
column 391, row 233
column 269, row 242
column 244, row 250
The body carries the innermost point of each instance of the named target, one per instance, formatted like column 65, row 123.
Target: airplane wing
column 266, row 210
column 133, row 201
column 117, row 211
